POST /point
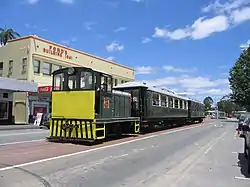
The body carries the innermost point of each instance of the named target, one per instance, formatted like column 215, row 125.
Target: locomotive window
column 72, row 82
column 155, row 99
column 176, row 103
column 109, row 84
column 170, row 102
column 86, row 80
column 181, row 104
column 163, row 100
column 58, row 81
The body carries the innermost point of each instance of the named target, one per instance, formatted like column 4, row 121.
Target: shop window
column 176, row 103
column 155, row 99
column 163, row 100
column 4, row 110
column 24, row 65
column 181, row 104
column 36, row 66
column 1, row 69
column 56, row 67
column 10, row 67
column 46, row 68
column 58, row 81
column 5, row 95
column 170, row 102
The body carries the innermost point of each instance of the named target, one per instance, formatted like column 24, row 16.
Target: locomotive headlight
column 71, row 71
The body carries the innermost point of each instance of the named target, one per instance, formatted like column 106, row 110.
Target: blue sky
column 188, row 47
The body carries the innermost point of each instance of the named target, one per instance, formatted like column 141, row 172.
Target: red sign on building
column 42, row 89
column 57, row 51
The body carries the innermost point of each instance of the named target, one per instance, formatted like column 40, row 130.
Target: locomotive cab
column 83, row 105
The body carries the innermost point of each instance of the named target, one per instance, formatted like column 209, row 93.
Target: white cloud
column 245, row 45
column 146, row 40
column 179, row 70
column 192, row 85
column 111, row 4
column 241, row 15
column 228, row 6
column 143, row 70
column 111, row 58
column 201, row 28
column 227, row 15
column 32, row 1
column 120, row 29
column 114, row 47
column 69, row 42
column 67, row 1
column 138, row 1
column 88, row 25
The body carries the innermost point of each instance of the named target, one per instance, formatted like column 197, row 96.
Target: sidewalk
column 19, row 127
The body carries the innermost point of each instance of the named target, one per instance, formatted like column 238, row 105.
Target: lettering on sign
column 57, row 51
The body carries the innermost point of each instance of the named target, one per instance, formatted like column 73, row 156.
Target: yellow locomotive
column 85, row 107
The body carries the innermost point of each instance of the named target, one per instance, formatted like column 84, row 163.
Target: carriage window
column 167, row 102
column 163, row 100
column 170, row 102
column 155, row 99
column 184, row 105
column 176, row 103
column 181, row 104
column 58, row 81
column 72, row 82
column 86, row 80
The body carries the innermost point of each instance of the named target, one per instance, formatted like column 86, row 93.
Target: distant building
column 34, row 59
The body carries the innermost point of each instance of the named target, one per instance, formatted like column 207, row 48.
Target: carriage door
column 106, row 96
column 136, row 103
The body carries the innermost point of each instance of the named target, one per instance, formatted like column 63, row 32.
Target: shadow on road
column 242, row 163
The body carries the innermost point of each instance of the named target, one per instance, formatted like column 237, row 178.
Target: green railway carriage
column 85, row 106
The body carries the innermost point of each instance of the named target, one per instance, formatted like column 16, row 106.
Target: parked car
column 245, row 134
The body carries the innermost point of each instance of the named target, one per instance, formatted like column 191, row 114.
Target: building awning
column 17, row 85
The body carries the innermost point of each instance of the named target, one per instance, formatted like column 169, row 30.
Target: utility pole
column 216, row 108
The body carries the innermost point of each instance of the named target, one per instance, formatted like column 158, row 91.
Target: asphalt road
column 8, row 137
column 206, row 155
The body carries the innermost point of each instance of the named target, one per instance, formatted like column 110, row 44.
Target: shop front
column 40, row 102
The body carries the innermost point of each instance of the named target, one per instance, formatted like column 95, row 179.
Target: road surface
column 204, row 155
column 8, row 137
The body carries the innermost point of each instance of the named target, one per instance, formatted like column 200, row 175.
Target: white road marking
column 13, row 143
column 98, row 148
column 242, row 178
column 24, row 133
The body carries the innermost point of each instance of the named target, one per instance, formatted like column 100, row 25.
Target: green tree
column 228, row 106
column 239, row 79
column 7, row 34
column 208, row 101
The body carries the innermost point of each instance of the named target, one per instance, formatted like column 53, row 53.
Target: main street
column 207, row 154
